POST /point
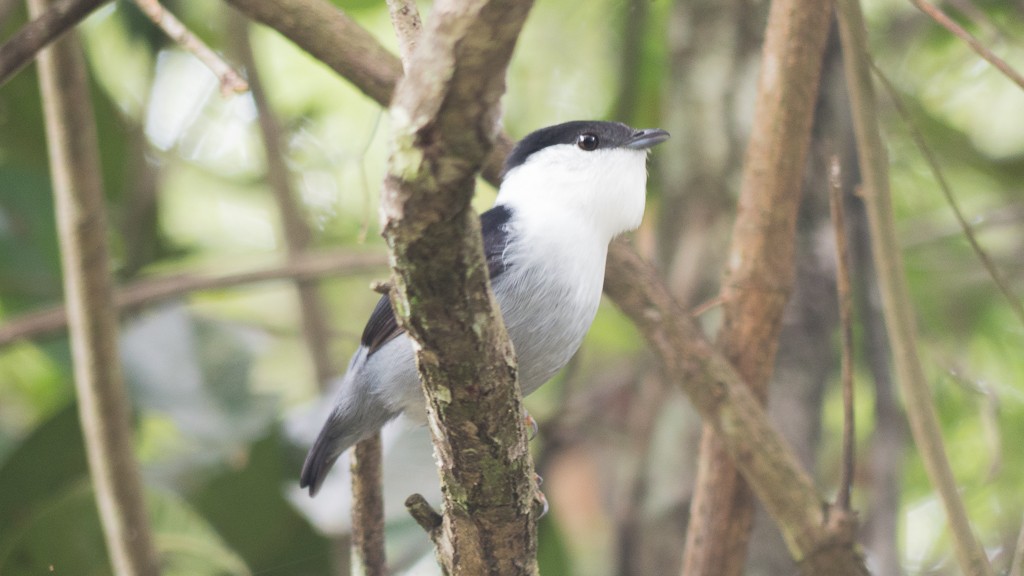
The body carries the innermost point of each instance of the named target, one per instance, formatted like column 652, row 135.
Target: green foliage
column 214, row 375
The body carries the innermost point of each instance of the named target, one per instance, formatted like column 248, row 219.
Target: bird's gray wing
column 382, row 327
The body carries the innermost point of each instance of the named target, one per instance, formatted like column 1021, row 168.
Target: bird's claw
column 539, row 500
column 531, row 423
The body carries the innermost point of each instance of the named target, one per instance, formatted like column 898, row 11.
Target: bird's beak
column 647, row 138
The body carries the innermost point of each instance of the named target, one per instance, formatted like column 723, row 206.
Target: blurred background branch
column 760, row 268
column 899, row 313
column 223, row 383
column 59, row 17
column 305, row 267
column 103, row 404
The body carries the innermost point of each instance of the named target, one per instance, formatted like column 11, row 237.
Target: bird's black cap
column 608, row 135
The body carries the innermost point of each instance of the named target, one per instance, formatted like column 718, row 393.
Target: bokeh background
column 224, row 390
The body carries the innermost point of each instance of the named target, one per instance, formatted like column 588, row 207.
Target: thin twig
column 835, row 199
column 896, row 301
column 230, row 81
column 946, row 22
column 707, row 306
column 368, row 507
column 424, row 514
column 308, row 266
column 59, row 17
column 104, row 410
column 936, row 168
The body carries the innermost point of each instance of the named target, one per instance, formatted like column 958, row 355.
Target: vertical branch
column 368, row 506
column 367, row 526
column 445, row 115
column 405, row 19
column 103, row 404
column 760, row 272
column 895, row 297
column 846, row 325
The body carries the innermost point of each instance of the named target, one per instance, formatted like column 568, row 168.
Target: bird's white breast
column 550, row 293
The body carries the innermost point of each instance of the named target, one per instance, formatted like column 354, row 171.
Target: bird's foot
column 531, row 423
column 540, row 501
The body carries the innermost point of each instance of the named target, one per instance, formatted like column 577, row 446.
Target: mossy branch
column 445, row 114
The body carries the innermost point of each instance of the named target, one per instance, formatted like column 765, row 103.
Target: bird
column 566, row 191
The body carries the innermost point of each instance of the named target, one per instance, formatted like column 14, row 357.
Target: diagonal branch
column 760, row 272
column 947, row 191
column 46, row 27
column 818, row 538
column 304, row 267
column 329, row 35
column 445, row 115
column 230, row 81
column 946, row 22
column 642, row 294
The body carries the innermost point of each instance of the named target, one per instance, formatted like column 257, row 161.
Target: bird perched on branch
column 567, row 191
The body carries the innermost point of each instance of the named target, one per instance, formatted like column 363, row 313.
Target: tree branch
column 292, row 17
column 330, row 36
column 933, row 163
column 445, row 115
column 103, row 406
column 844, row 294
column 405, row 19
column 892, row 283
column 731, row 408
column 306, row 267
column 760, row 274
column 987, row 55
column 368, row 504
column 230, row 81
column 45, row 27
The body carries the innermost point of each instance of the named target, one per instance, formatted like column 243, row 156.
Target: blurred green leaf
column 48, row 462
column 247, row 507
column 65, row 537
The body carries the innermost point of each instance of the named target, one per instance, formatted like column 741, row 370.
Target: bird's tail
column 356, row 416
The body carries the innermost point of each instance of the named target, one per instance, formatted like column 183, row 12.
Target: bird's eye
column 587, row 141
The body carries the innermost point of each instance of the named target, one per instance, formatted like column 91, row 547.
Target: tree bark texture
column 687, row 358
column 759, row 273
column 445, row 119
column 103, row 405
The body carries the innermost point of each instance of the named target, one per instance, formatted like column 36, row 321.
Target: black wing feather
column 383, row 327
